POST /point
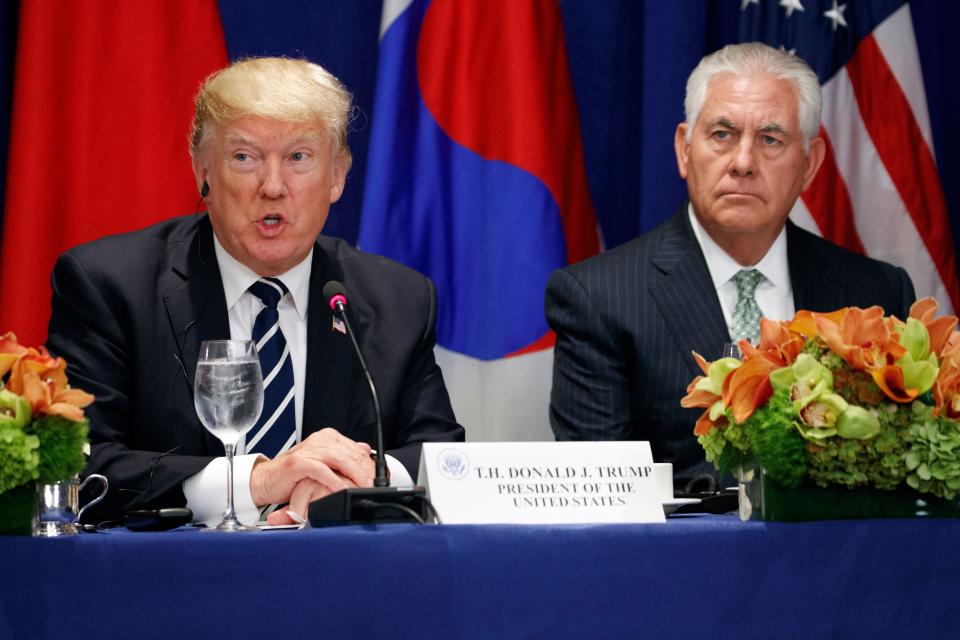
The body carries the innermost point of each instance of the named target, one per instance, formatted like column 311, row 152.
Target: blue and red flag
column 476, row 178
column 878, row 191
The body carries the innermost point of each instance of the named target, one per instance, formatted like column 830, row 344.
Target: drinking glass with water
column 228, row 396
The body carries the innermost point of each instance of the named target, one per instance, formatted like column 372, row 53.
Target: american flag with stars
column 878, row 191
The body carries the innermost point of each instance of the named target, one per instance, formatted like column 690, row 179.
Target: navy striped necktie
column 276, row 430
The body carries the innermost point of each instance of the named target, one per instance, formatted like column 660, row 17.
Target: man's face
column 271, row 186
column 745, row 165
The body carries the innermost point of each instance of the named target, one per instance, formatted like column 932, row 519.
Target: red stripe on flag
column 903, row 151
column 101, row 110
column 546, row 341
column 829, row 203
column 518, row 58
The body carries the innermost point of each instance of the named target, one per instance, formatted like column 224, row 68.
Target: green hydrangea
column 877, row 461
column 933, row 456
column 775, row 441
column 718, row 449
column 19, row 457
column 61, row 447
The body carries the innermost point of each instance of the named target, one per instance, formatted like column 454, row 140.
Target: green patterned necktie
column 746, row 317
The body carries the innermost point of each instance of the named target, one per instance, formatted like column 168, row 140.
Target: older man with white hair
column 269, row 151
column 628, row 319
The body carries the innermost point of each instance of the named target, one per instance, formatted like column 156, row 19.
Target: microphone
column 380, row 503
column 336, row 297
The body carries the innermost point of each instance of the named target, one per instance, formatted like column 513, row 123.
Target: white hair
column 754, row 59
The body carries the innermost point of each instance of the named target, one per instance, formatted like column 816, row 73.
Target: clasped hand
column 323, row 463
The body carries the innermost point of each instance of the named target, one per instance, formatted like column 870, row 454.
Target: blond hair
column 281, row 89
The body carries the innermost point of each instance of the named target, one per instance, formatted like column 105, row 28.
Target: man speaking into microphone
column 269, row 152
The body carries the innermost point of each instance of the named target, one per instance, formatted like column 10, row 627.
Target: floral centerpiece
column 43, row 432
column 843, row 399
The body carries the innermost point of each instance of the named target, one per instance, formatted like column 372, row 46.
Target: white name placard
column 541, row 482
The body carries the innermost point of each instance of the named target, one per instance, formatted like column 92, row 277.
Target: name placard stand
column 541, row 482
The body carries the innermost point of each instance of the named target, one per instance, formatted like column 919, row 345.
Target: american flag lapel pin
column 338, row 325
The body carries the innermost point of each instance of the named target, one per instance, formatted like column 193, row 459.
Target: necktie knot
column 747, row 281
column 269, row 290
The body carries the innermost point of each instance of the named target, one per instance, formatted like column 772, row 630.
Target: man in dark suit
column 130, row 312
column 627, row 320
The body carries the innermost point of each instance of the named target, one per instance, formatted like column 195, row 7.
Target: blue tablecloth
column 698, row 576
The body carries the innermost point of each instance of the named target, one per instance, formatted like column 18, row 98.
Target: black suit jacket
column 628, row 319
column 130, row 312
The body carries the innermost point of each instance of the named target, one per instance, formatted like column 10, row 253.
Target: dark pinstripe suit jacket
column 627, row 319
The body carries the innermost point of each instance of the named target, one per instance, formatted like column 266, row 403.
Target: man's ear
column 200, row 173
column 815, row 155
column 682, row 148
column 341, row 166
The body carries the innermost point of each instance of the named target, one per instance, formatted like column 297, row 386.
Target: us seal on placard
column 453, row 464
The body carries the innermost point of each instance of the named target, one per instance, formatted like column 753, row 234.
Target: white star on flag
column 790, row 6
column 745, row 3
column 836, row 15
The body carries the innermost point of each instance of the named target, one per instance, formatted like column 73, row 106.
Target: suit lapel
column 684, row 292
column 331, row 363
column 195, row 303
column 813, row 286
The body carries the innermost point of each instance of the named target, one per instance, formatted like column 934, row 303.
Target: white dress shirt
column 774, row 293
column 206, row 490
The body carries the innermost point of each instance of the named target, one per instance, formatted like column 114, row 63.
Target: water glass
column 228, row 396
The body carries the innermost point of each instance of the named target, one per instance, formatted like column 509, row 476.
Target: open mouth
column 271, row 224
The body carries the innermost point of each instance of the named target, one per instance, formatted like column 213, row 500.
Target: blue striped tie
column 276, row 430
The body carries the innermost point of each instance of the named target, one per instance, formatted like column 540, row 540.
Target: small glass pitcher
column 58, row 506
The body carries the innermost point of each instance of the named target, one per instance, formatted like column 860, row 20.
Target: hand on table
column 323, row 463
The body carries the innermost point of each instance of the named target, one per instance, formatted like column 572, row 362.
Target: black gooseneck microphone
column 336, row 297
column 380, row 503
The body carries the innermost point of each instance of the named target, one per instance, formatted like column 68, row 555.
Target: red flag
column 102, row 104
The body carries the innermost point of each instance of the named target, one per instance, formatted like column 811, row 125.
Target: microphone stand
column 381, row 479
column 364, row 505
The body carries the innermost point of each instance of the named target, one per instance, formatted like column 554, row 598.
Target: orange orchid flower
column 890, row 380
column 46, row 398
column 41, row 379
column 804, row 324
column 41, row 363
column 940, row 329
column 748, row 387
column 946, row 390
column 777, row 340
column 10, row 352
column 700, row 396
column 863, row 338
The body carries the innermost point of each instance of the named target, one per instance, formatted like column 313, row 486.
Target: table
column 693, row 577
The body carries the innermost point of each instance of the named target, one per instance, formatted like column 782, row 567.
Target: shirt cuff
column 399, row 476
column 206, row 491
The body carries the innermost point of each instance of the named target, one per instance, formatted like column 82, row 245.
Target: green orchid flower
column 14, row 410
column 713, row 383
column 716, row 374
column 920, row 367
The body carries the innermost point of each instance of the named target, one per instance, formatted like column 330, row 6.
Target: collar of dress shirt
column 237, row 278
column 722, row 267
